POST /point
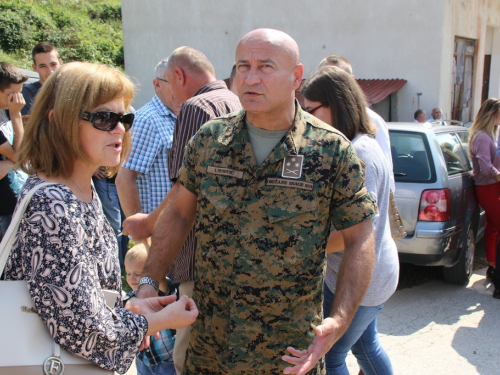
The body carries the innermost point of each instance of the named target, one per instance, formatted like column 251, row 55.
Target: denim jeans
column 165, row 368
column 362, row 338
column 4, row 224
column 108, row 195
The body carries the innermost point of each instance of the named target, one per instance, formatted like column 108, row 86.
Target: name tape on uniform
column 289, row 183
column 225, row 172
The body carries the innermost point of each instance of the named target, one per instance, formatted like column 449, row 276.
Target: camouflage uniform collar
column 234, row 137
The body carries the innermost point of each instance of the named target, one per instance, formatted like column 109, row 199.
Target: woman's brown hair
column 51, row 143
column 336, row 89
column 486, row 120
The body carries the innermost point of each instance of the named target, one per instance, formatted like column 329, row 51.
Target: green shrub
column 105, row 12
column 11, row 31
column 80, row 29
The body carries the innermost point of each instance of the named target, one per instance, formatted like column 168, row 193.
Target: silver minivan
column 436, row 198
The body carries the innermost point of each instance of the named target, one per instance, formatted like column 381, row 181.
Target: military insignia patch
column 292, row 166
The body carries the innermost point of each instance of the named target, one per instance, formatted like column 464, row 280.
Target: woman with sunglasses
column 65, row 248
column 334, row 97
column 486, row 175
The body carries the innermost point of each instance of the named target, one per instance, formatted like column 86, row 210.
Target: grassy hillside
column 88, row 30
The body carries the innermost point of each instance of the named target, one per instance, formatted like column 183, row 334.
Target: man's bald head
column 273, row 37
column 188, row 70
column 190, row 60
column 338, row 61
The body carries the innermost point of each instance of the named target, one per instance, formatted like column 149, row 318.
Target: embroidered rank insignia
column 292, row 166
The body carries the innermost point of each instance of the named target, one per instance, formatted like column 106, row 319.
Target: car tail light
column 435, row 205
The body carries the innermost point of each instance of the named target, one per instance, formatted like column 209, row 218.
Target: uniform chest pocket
column 214, row 199
column 294, row 223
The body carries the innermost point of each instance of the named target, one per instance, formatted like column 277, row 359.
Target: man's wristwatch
column 149, row 281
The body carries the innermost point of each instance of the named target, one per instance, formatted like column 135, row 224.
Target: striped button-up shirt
column 211, row 101
column 152, row 136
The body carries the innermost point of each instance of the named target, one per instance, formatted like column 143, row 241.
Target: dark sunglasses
column 313, row 109
column 107, row 120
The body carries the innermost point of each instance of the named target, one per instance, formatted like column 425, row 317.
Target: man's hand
column 138, row 227
column 146, row 291
column 305, row 360
column 15, row 103
column 100, row 173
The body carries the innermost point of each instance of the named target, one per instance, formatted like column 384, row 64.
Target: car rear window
column 411, row 157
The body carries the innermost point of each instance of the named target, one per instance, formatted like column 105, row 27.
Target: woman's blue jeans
column 361, row 338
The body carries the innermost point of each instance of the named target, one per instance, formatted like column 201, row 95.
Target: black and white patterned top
column 67, row 252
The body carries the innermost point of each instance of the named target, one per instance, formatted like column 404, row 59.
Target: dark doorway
column 486, row 78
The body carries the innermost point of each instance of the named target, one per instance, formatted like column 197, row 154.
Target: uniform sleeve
column 146, row 145
column 64, row 283
column 351, row 202
column 189, row 121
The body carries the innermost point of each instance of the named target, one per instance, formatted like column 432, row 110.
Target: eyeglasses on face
column 313, row 109
column 107, row 120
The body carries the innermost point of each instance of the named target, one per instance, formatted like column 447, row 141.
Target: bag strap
column 10, row 235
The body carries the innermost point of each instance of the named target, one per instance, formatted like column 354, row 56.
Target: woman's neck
column 79, row 182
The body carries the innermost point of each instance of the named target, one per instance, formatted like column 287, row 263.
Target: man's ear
column 298, row 73
column 33, row 67
column 180, row 76
column 156, row 84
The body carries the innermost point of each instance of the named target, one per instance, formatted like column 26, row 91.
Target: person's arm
column 128, row 193
column 174, row 225
column 480, row 147
column 16, row 103
column 335, row 242
column 6, row 148
column 5, row 167
column 353, row 280
column 141, row 226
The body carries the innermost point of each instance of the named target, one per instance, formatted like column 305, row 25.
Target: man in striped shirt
column 193, row 82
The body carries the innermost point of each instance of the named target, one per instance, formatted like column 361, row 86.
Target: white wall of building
column 411, row 39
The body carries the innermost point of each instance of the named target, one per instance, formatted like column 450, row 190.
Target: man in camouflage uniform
column 263, row 220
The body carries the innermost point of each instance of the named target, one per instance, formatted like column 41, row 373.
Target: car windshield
column 410, row 157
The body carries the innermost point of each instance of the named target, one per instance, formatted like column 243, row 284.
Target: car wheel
column 460, row 273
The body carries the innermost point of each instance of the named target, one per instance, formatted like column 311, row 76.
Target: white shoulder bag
column 26, row 346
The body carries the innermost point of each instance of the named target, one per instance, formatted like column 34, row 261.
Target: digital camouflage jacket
column 262, row 233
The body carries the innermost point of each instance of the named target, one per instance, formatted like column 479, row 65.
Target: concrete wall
column 411, row 39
